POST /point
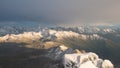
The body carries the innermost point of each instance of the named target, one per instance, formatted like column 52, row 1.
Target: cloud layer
column 61, row 12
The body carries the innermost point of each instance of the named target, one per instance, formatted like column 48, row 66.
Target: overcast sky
column 60, row 12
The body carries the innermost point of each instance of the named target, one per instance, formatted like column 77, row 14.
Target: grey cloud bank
column 60, row 12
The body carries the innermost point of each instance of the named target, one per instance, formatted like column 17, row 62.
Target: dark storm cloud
column 60, row 11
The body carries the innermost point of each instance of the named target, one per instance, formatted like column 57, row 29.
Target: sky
column 60, row 12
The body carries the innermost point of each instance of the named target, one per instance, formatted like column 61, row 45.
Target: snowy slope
column 72, row 59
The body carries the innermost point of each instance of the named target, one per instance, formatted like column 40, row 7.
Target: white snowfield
column 43, row 34
column 85, row 60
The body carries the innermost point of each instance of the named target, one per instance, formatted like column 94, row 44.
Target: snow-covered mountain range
column 4, row 29
column 45, row 34
column 92, row 38
column 13, row 33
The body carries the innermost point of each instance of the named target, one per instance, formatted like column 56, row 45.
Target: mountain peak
column 77, row 60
